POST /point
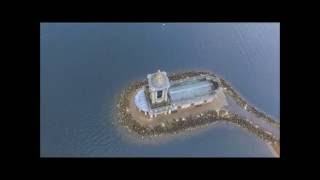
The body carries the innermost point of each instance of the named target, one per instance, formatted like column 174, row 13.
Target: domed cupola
column 158, row 86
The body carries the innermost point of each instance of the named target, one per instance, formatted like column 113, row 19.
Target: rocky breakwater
column 197, row 120
column 127, row 120
column 243, row 104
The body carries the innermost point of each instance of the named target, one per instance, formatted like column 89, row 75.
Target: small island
column 169, row 104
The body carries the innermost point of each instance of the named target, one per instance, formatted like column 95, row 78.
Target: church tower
column 158, row 87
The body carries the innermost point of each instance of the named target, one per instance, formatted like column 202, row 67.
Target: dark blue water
column 84, row 66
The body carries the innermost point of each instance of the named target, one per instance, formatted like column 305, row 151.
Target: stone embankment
column 204, row 118
column 126, row 119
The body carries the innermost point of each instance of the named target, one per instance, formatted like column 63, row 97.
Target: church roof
column 190, row 90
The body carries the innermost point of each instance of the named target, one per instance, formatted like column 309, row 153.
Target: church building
column 162, row 96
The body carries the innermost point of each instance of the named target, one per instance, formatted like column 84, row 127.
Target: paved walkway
column 261, row 122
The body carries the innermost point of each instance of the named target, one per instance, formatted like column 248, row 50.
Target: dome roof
column 158, row 79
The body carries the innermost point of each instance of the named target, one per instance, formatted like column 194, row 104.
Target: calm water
column 84, row 66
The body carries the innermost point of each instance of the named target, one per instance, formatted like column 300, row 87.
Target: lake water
column 85, row 65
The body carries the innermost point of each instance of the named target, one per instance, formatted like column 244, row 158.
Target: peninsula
column 163, row 104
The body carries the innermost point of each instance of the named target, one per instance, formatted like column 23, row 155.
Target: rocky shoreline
column 205, row 118
column 126, row 119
